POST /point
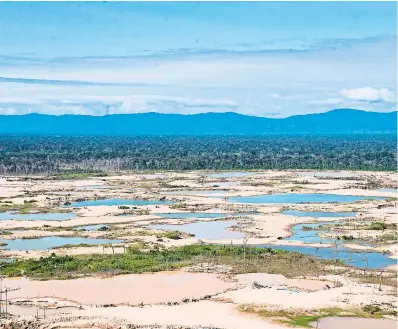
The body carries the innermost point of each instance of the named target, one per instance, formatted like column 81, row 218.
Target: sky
column 271, row 59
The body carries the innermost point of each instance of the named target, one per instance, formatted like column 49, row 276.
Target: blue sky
column 270, row 59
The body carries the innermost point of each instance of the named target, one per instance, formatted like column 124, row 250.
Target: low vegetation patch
column 78, row 175
column 136, row 260
column 304, row 319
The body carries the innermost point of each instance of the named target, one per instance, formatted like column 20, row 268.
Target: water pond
column 372, row 260
column 91, row 227
column 51, row 242
column 387, row 189
column 9, row 215
column 294, row 198
column 215, row 230
column 317, row 214
column 348, row 256
column 117, row 202
column 96, row 187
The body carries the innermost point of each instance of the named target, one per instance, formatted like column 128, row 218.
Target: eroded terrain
column 199, row 249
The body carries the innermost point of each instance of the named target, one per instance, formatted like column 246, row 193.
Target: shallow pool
column 293, row 198
column 95, row 187
column 215, row 230
column 317, row 214
column 387, row 189
column 117, row 202
column 51, row 242
column 91, row 227
column 372, row 260
column 9, row 215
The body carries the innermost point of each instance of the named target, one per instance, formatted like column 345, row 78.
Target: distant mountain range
column 340, row 121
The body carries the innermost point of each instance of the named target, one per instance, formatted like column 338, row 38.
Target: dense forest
column 52, row 154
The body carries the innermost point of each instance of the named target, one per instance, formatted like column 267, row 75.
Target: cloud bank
column 351, row 74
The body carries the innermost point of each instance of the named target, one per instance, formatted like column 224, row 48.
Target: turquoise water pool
column 9, row 215
column 51, row 242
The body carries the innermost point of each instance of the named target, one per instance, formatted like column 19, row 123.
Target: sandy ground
column 124, row 289
column 192, row 190
column 350, row 323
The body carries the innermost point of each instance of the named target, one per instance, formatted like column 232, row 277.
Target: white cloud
column 249, row 83
column 368, row 94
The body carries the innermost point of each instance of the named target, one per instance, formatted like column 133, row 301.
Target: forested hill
column 341, row 121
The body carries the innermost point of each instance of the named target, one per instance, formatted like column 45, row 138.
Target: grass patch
column 136, row 260
column 303, row 319
column 78, row 175
column 377, row 226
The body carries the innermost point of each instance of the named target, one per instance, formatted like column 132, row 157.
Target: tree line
column 53, row 154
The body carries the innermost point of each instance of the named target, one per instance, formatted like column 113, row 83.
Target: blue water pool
column 387, row 189
column 293, row 198
column 91, row 227
column 373, row 260
column 9, row 215
column 51, row 242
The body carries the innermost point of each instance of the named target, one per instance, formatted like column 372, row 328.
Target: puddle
column 215, row 230
column 9, row 215
column 386, row 189
column 231, row 174
column 95, row 187
column 51, row 242
column 317, row 214
column 294, row 198
column 91, row 227
column 117, row 202
column 222, row 184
